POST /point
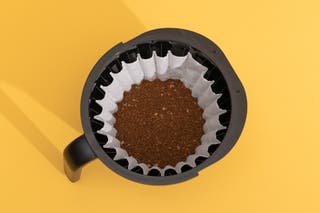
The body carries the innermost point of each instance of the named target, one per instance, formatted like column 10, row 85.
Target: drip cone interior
column 164, row 61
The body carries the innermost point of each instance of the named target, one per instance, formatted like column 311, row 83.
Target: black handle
column 76, row 155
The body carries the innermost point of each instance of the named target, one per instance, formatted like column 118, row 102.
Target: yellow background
column 47, row 49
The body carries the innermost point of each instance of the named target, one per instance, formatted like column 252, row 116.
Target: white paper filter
column 183, row 68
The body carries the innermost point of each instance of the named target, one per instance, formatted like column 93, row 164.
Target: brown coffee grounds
column 159, row 122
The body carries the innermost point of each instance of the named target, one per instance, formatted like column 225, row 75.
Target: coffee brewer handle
column 76, row 155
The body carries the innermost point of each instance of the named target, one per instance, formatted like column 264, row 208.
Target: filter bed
column 161, row 65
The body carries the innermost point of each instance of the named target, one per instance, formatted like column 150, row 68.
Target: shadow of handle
column 76, row 155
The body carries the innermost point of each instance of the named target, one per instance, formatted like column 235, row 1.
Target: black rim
column 179, row 42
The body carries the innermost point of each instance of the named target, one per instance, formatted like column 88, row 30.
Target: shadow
column 49, row 54
column 25, row 126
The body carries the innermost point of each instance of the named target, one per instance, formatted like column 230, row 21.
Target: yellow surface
column 48, row 49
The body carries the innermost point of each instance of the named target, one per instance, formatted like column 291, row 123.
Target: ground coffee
column 159, row 122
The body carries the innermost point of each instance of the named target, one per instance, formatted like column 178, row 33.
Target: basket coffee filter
column 162, row 60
